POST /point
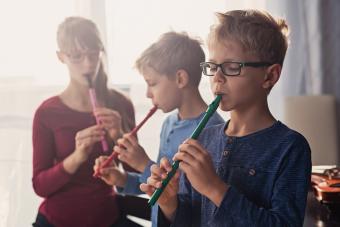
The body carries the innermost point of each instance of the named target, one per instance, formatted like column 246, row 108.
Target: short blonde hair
column 172, row 52
column 256, row 31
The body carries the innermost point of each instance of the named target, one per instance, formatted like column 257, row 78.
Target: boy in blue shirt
column 252, row 170
column 171, row 69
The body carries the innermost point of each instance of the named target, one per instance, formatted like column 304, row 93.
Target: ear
column 61, row 56
column 272, row 75
column 182, row 78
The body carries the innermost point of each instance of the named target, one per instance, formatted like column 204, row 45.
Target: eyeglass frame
column 241, row 65
column 83, row 54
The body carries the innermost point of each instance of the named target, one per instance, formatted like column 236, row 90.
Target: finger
column 105, row 111
column 197, row 152
column 131, row 138
column 109, row 171
column 95, row 130
column 125, row 143
column 147, row 189
column 112, row 163
column 99, row 111
column 154, row 182
column 157, row 171
column 88, row 141
column 164, row 163
column 119, row 149
column 194, row 143
column 123, row 157
column 100, row 160
column 184, row 156
column 174, row 182
column 185, row 167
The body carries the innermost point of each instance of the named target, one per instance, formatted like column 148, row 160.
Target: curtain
column 312, row 63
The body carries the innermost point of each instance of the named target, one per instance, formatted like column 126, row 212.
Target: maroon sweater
column 78, row 199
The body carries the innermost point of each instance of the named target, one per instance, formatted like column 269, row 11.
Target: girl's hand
column 111, row 121
column 85, row 139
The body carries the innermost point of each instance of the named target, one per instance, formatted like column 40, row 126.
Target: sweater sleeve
column 48, row 177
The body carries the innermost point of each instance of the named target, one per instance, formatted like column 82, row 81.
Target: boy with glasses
column 172, row 72
column 254, row 170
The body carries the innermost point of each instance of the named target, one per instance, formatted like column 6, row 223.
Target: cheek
column 244, row 89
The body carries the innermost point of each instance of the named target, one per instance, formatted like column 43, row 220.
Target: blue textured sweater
column 268, row 173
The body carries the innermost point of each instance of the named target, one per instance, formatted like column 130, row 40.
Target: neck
column 77, row 97
column 192, row 104
column 250, row 120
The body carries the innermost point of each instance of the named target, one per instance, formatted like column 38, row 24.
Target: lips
column 219, row 93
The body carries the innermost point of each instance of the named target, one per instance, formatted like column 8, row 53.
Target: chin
column 224, row 107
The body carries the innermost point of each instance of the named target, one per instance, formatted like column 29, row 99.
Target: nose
column 219, row 77
column 149, row 93
column 88, row 61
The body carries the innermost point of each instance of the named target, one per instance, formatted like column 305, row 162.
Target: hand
column 196, row 163
column 130, row 152
column 168, row 199
column 112, row 175
column 111, row 121
column 85, row 139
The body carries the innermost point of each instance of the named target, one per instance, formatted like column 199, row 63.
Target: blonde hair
column 79, row 31
column 256, row 31
column 172, row 52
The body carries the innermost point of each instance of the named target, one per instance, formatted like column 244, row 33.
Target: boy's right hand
column 130, row 152
column 112, row 175
column 168, row 199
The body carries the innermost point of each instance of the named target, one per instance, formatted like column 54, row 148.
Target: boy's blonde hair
column 257, row 32
column 172, row 52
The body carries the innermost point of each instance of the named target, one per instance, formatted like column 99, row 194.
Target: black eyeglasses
column 229, row 68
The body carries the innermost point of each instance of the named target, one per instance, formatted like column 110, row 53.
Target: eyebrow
column 224, row 60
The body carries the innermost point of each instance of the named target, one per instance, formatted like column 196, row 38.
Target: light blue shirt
column 174, row 132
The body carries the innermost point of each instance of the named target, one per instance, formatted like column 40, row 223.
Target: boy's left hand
column 196, row 163
column 111, row 120
column 112, row 175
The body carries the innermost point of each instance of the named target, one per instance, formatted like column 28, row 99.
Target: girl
column 66, row 138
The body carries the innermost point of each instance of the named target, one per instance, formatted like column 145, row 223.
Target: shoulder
column 291, row 138
column 171, row 118
column 212, row 133
column 48, row 105
column 47, row 109
column 215, row 119
column 168, row 121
